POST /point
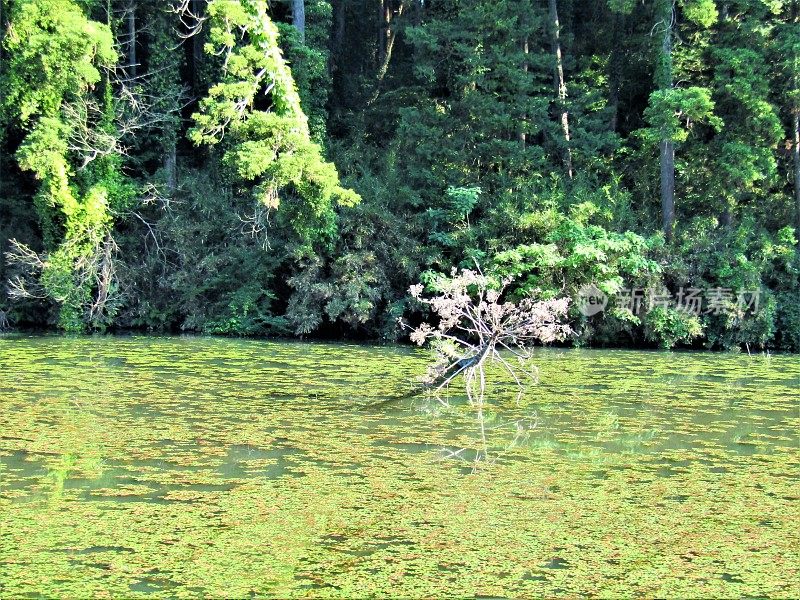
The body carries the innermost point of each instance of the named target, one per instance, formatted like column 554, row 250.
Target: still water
column 173, row 467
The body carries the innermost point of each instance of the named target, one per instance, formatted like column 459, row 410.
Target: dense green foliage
column 45, row 74
column 645, row 146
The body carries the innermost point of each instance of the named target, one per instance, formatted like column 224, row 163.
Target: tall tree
column 666, row 145
column 674, row 109
column 615, row 70
column 788, row 50
column 387, row 37
column 130, row 19
column 526, row 49
column 299, row 18
column 745, row 165
column 796, row 163
column 162, row 83
column 560, row 84
column 2, row 32
column 2, row 40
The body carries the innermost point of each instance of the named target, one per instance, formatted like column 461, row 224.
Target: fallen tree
column 478, row 325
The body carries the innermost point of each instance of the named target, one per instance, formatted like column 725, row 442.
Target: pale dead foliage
column 478, row 325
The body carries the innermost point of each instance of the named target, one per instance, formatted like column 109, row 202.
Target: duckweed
column 190, row 467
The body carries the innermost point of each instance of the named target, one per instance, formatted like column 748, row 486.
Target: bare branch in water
column 476, row 323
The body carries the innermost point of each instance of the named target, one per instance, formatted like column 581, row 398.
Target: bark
column 525, row 51
column 299, row 18
column 668, row 186
column 105, row 277
column 170, row 167
column 458, row 367
column 560, row 85
column 667, row 145
column 197, row 46
column 388, row 38
column 615, row 74
column 339, row 19
column 796, row 161
column 131, row 19
column 386, row 47
column 384, row 20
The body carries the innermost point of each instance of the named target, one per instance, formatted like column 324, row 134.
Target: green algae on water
column 184, row 467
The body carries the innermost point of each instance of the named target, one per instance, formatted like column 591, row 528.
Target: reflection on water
column 194, row 466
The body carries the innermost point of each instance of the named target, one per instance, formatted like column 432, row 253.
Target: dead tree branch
column 476, row 325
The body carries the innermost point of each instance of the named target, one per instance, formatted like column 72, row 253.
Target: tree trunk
column 131, row 19
column 796, row 160
column 386, row 46
column 664, row 75
column 170, row 168
column 615, row 74
column 453, row 370
column 339, row 20
column 561, row 87
column 299, row 18
column 388, row 37
column 384, row 19
column 525, row 51
column 668, row 186
column 197, row 47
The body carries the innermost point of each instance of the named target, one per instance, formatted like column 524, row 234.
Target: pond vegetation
column 175, row 467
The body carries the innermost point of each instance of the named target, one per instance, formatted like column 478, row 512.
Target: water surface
column 209, row 467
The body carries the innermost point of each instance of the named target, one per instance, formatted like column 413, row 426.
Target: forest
column 293, row 167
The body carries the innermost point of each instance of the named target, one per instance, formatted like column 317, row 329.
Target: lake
column 191, row 466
